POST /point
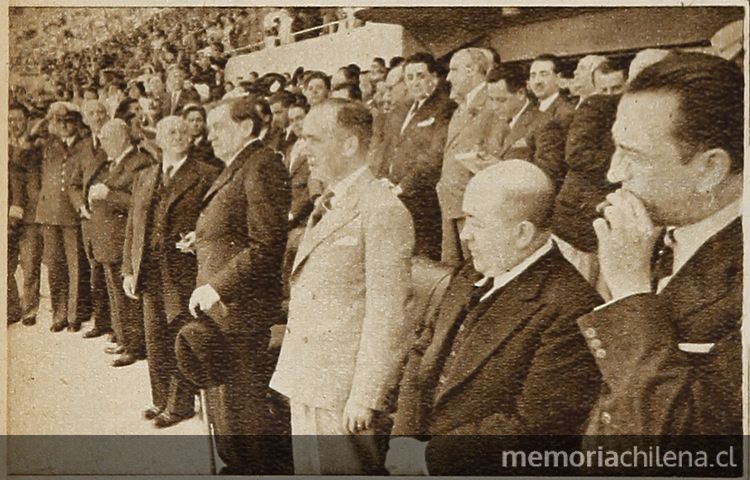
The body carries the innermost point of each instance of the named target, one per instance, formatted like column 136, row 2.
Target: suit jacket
column 652, row 387
column 522, row 368
column 204, row 152
column 109, row 216
column 303, row 189
column 54, row 206
column 346, row 336
column 185, row 97
column 415, row 158
column 516, row 144
column 469, row 129
column 89, row 164
column 561, row 110
column 240, row 242
column 274, row 137
column 24, row 178
column 588, row 152
column 184, row 200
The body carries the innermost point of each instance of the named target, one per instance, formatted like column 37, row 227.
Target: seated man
column 503, row 356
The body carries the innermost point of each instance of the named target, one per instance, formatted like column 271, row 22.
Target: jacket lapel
column 344, row 212
column 184, row 179
column 512, row 307
column 229, row 171
column 519, row 129
column 466, row 114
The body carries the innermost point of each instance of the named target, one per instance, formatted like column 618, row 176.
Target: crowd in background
column 450, row 146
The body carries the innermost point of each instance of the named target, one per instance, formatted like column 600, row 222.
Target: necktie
column 166, row 177
column 322, row 205
column 409, row 116
column 663, row 259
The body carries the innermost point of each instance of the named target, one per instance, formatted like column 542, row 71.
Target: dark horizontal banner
column 632, row 456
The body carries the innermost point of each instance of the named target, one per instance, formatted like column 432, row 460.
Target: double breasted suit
column 107, row 227
column 469, row 129
column 346, row 334
column 240, row 240
column 655, row 383
column 162, row 211
column 511, row 364
column 414, row 154
column 63, row 246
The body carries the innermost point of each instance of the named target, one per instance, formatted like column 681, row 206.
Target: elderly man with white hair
column 468, row 131
column 582, row 85
column 157, row 271
column 503, row 355
column 109, row 198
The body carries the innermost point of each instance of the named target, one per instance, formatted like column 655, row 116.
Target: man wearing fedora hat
column 63, row 247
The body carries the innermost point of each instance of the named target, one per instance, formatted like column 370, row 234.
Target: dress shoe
column 152, row 412
column 118, row 350
column 74, row 327
column 167, row 419
column 58, row 327
column 96, row 332
column 124, row 360
column 29, row 321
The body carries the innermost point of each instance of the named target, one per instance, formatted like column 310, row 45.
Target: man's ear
column 525, row 232
column 351, row 146
column 714, row 167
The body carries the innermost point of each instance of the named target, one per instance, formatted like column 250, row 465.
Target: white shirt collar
column 69, row 140
column 472, row 94
column 124, row 154
column 234, row 157
column 547, row 102
column 515, row 118
column 505, row 278
column 175, row 166
column 690, row 238
column 343, row 185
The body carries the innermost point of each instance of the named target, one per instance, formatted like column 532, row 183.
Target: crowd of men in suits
column 265, row 248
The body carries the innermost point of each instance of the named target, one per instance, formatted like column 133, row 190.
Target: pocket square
column 696, row 347
column 426, row 123
column 346, row 241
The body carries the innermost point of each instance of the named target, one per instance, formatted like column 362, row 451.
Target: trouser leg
column 57, row 272
column 31, row 250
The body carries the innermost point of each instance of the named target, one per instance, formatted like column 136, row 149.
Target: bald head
column 645, row 58
column 508, row 207
column 115, row 137
column 94, row 115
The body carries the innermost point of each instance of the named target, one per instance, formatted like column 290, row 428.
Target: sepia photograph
column 391, row 239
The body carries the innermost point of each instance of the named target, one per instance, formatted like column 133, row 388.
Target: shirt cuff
column 15, row 212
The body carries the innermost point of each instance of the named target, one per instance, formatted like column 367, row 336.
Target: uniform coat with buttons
column 165, row 276
column 521, row 367
column 240, row 240
column 61, row 226
column 654, row 387
column 415, row 158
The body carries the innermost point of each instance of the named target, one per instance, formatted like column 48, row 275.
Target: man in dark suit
column 177, row 95
column 166, row 202
column 91, row 162
column 669, row 344
column 63, row 248
column 24, row 164
column 109, row 197
column 544, row 77
column 503, row 355
column 413, row 150
column 240, row 238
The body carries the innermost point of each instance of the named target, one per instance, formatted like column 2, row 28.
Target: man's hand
column 203, row 298
column 627, row 237
column 128, row 285
column 406, row 456
column 357, row 418
column 98, row 191
column 186, row 243
column 84, row 212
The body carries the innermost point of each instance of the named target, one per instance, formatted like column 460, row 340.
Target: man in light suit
column 413, row 149
column 670, row 249
column 240, row 237
column 468, row 131
column 346, row 337
column 503, row 355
